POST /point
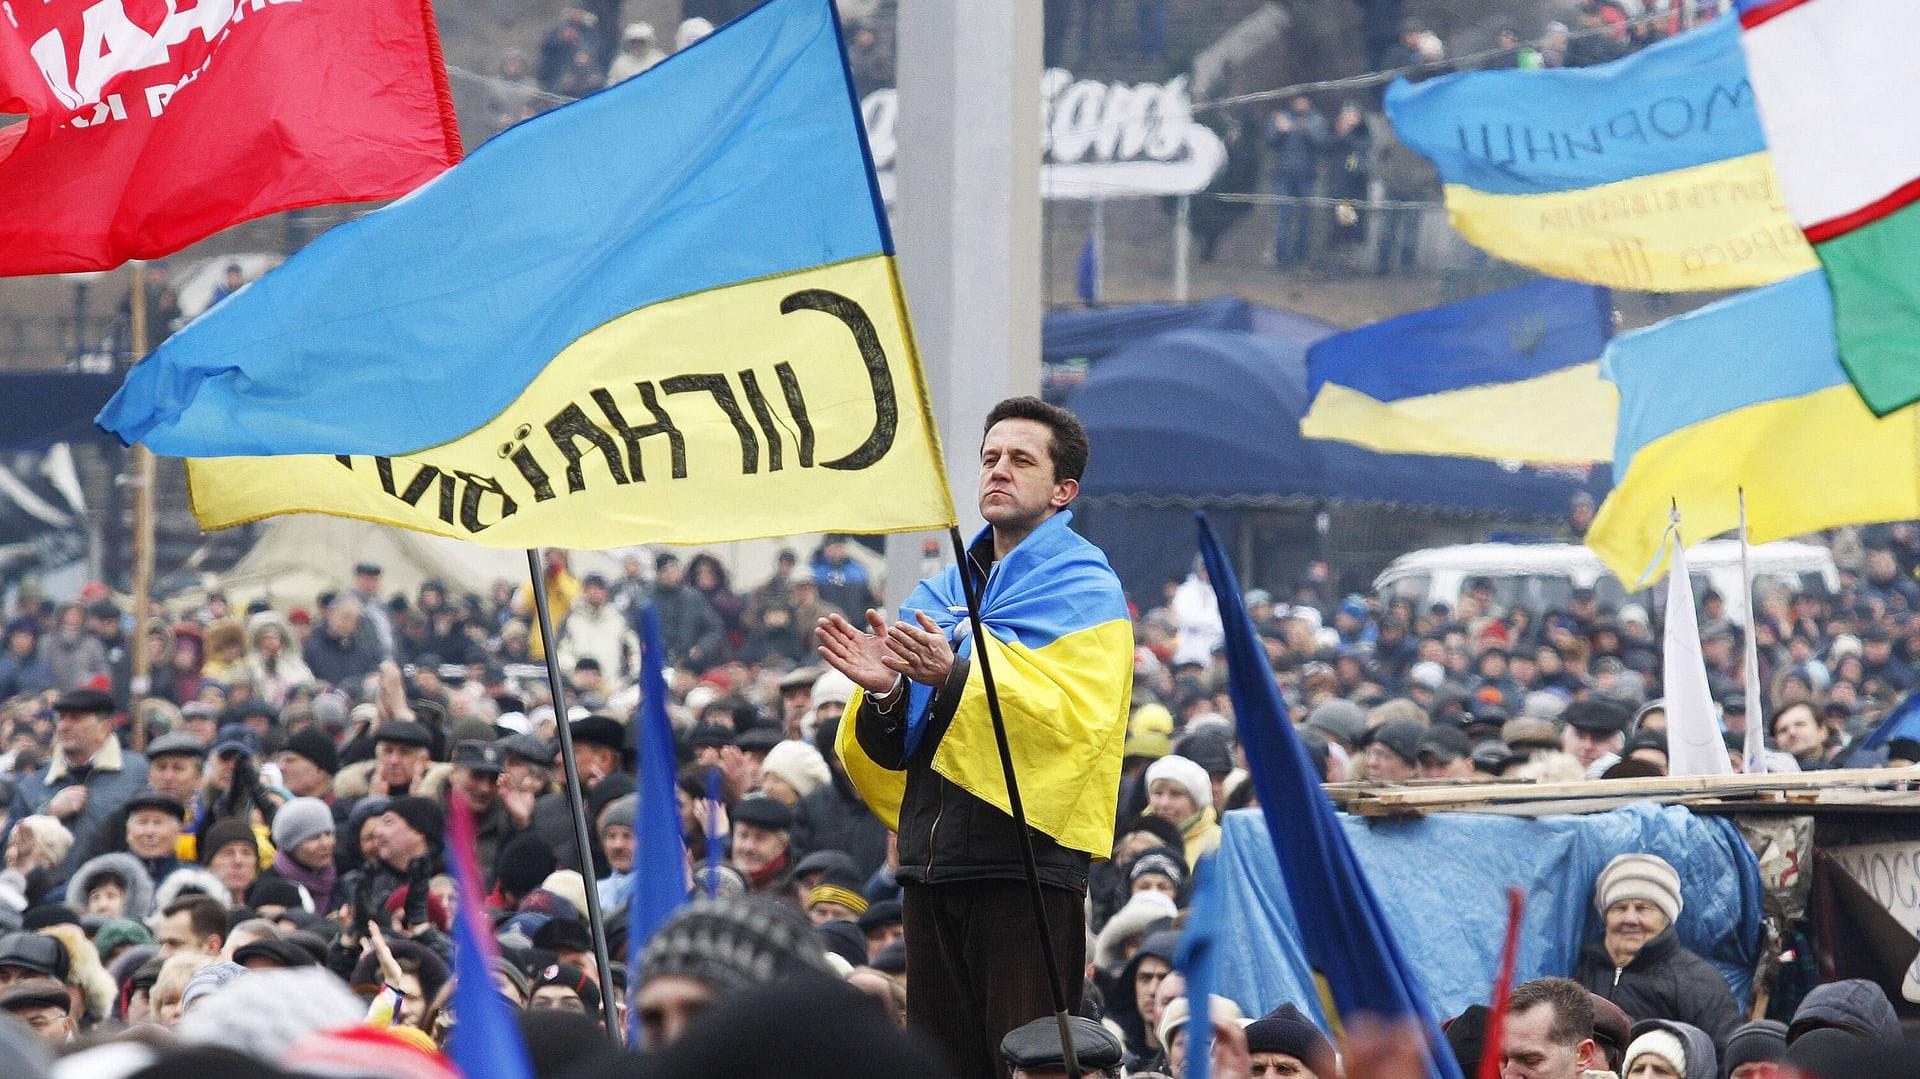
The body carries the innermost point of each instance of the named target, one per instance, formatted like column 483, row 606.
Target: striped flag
column 1834, row 80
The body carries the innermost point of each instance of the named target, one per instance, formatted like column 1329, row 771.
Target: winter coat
column 341, row 663
column 139, row 902
column 1662, row 981
column 113, row 777
column 75, row 658
column 690, row 628
column 602, row 634
column 834, row 818
column 1852, row 1004
column 946, row 833
column 1702, row 1061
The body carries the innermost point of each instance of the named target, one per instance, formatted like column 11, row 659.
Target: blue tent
column 1206, row 417
column 1094, row 333
column 1210, row 418
column 47, row 408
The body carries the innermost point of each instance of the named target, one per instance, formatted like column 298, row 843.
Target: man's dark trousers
column 975, row 940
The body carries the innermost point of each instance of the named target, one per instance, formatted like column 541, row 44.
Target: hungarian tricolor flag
column 1836, row 81
column 152, row 124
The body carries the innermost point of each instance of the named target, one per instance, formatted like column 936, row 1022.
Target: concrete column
column 966, row 224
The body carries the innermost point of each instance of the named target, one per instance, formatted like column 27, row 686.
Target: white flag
column 1694, row 747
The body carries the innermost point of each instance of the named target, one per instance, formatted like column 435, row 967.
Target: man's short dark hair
column 204, row 913
column 1572, row 1007
column 1068, row 446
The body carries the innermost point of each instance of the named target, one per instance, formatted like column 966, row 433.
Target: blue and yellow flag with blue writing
column 1747, row 393
column 1062, row 656
column 667, row 312
column 1650, row 172
column 1512, row 375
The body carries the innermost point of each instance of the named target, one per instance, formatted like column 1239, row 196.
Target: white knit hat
column 1179, row 1010
column 1659, row 1043
column 799, row 764
column 1186, row 773
column 1639, row 876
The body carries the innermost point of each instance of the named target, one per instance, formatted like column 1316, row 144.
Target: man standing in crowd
column 922, row 711
column 90, row 778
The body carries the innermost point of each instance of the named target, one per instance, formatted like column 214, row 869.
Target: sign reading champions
column 1102, row 140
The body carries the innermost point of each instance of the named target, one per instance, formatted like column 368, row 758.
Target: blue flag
column 1902, row 722
column 1198, row 958
column 659, row 853
column 486, row 1042
column 1087, row 273
column 1345, row 935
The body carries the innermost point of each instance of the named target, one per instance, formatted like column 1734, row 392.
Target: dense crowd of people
column 282, row 824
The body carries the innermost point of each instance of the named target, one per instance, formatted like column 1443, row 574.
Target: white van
column 1543, row 576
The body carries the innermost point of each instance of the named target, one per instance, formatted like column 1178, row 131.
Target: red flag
column 1492, row 1058
column 152, row 124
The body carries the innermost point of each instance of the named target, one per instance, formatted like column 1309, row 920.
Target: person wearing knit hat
column 1285, row 1043
column 791, row 771
column 882, row 924
column 836, row 898
column 1160, row 869
column 232, row 853
column 1663, row 1049
column 308, row 763
column 303, row 840
column 1173, row 1026
column 1639, row 962
column 1753, row 1049
column 614, row 824
column 1180, row 791
column 713, row 949
column 420, row 814
column 565, row 987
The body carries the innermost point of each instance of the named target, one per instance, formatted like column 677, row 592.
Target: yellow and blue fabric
column 1512, row 375
column 668, row 311
column 1747, row 393
column 1061, row 647
column 1650, row 172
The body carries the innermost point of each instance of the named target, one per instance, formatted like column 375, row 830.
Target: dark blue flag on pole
column 1902, row 722
column 486, row 1042
column 1346, row 936
column 659, row 855
column 1199, row 959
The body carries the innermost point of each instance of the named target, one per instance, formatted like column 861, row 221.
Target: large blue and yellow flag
column 1650, row 172
column 1356, row 958
column 1747, row 393
column 1061, row 647
column 668, row 312
column 1511, row 375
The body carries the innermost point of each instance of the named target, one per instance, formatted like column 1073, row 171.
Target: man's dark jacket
column 946, row 834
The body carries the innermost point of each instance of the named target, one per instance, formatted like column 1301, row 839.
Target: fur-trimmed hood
column 139, row 902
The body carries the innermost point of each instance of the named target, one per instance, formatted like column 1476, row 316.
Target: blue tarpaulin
column 1441, row 880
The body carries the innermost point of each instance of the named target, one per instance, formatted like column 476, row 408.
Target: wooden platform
column 1851, row 790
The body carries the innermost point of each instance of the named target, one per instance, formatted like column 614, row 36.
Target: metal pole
column 140, row 477
column 1098, row 229
column 1015, row 808
column 1182, row 246
column 576, row 801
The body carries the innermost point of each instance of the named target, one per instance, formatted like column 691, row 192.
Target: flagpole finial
column 1673, row 512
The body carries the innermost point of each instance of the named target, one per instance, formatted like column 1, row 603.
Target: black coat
column 1663, row 981
column 834, row 818
column 947, row 834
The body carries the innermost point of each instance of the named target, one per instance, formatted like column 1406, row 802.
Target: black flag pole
column 576, row 801
column 1055, row 987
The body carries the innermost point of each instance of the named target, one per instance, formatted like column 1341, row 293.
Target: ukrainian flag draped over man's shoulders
column 1062, row 658
column 668, row 311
